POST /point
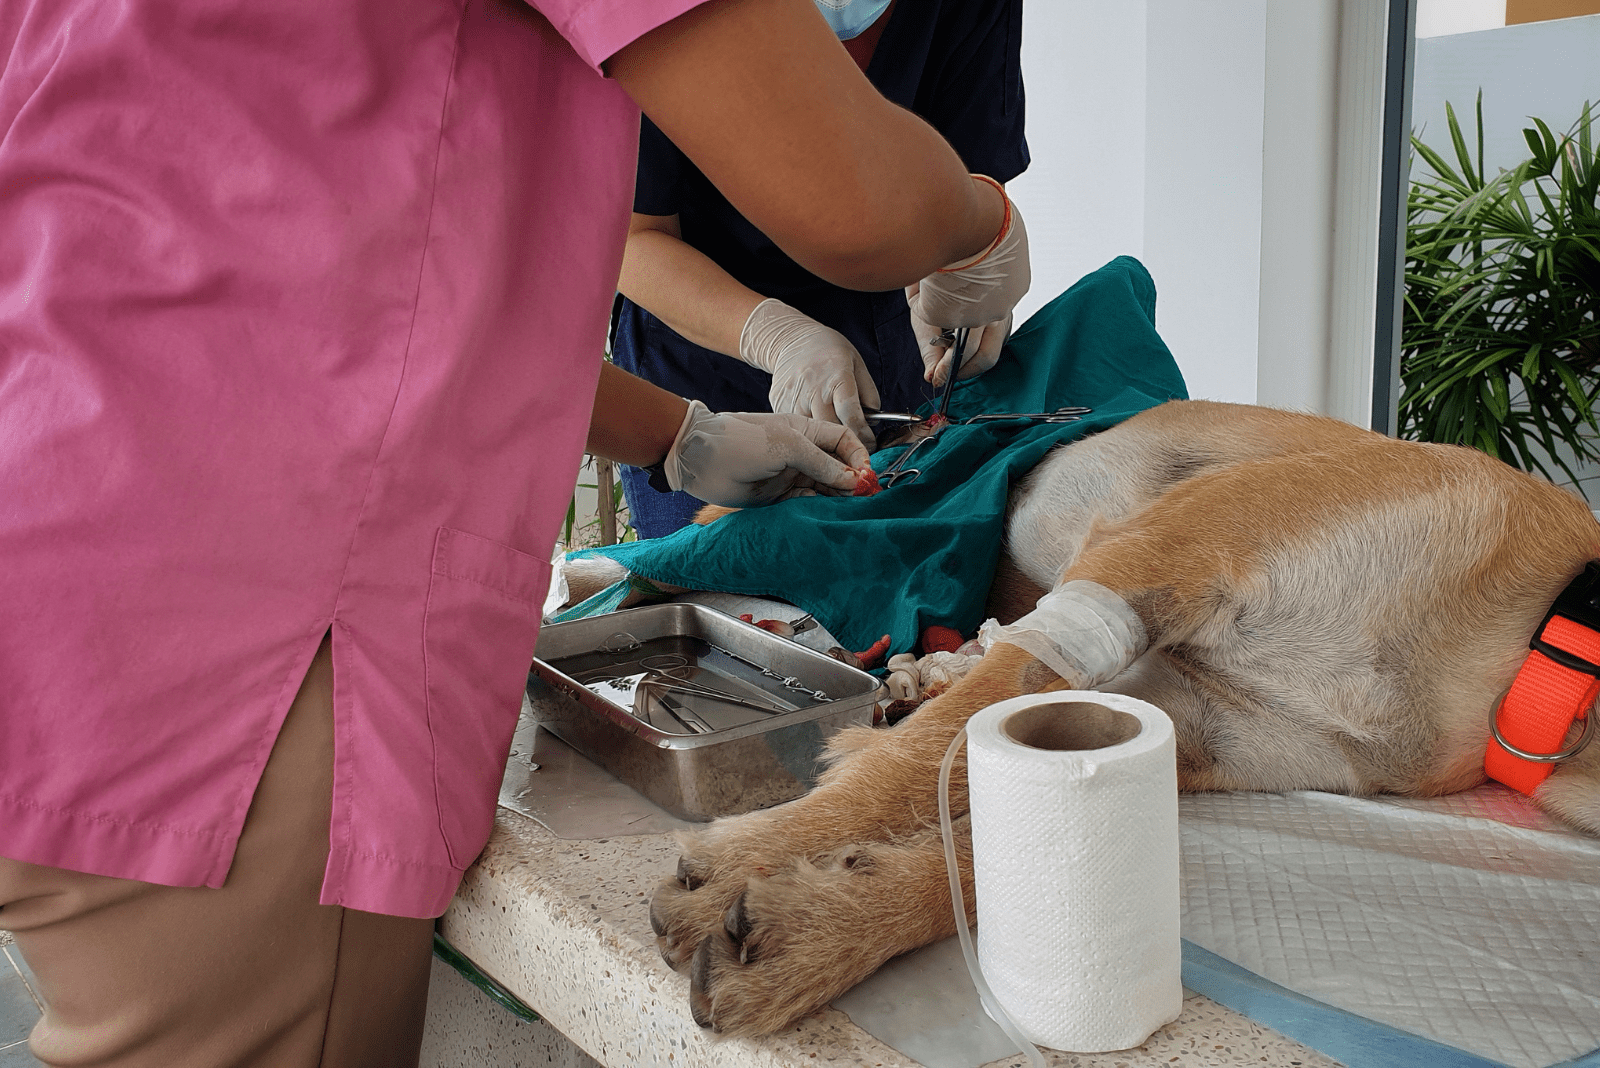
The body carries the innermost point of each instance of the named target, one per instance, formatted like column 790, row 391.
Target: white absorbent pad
column 1458, row 932
column 1471, row 920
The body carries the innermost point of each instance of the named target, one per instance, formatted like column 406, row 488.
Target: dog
column 1322, row 608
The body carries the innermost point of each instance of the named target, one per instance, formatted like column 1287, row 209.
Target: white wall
column 1200, row 138
column 1083, row 195
column 1297, row 193
column 1205, row 82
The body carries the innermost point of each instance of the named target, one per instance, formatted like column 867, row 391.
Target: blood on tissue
column 867, row 482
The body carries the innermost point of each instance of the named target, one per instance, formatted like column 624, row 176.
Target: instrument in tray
column 671, row 686
column 653, row 738
column 653, row 691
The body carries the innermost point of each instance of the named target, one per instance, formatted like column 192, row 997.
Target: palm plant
column 1501, row 325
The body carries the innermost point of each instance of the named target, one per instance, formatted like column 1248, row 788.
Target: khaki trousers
column 135, row 975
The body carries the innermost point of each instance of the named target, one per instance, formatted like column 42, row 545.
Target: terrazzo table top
column 565, row 926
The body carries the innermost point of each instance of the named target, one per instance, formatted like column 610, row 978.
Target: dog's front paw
column 689, row 906
column 794, row 940
column 716, row 865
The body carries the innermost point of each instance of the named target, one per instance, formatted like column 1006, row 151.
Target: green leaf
column 1535, row 145
column 1575, row 391
column 1496, row 397
column 1545, row 146
column 1479, row 123
column 1530, row 362
column 1460, row 144
column 1440, row 167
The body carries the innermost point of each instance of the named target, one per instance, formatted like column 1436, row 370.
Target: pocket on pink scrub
column 482, row 619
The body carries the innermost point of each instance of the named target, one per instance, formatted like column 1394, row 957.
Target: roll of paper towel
column 1074, row 801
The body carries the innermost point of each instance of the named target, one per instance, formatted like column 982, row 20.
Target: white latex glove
column 739, row 459
column 815, row 370
column 982, row 290
column 982, row 350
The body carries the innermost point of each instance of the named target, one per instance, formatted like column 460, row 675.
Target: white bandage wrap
column 1080, row 630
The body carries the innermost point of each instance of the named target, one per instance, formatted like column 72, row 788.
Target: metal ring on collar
column 1543, row 758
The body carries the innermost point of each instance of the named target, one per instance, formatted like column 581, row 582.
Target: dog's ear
column 711, row 513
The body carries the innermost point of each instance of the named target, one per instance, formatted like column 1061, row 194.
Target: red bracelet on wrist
column 1005, row 228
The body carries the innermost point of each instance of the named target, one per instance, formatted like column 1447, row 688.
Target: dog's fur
column 1325, row 608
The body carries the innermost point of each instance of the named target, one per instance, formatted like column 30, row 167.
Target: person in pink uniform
column 301, row 314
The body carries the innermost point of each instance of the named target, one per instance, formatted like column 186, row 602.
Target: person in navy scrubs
column 710, row 309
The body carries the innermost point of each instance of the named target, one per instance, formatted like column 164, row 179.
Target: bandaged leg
column 1080, row 630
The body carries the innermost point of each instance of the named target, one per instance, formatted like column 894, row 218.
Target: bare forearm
column 770, row 106
column 634, row 422
column 685, row 289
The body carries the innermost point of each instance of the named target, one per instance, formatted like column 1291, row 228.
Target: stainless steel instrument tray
column 696, row 758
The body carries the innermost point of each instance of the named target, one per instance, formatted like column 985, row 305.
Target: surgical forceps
column 956, row 341
column 897, row 472
column 1060, row 415
column 654, row 688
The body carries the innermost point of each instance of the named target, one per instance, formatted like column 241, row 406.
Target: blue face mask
column 850, row 18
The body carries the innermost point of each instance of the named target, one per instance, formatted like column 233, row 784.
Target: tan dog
column 1322, row 608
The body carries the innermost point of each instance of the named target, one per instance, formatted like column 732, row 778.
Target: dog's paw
column 791, row 942
column 688, row 907
column 716, row 865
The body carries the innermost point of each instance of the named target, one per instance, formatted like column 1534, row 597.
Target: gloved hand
column 981, row 353
column 981, row 290
column 739, row 459
column 815, row 370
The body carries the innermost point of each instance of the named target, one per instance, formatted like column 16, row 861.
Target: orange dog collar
column 1556, row 686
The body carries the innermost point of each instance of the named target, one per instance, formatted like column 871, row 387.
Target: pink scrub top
column 302, row 306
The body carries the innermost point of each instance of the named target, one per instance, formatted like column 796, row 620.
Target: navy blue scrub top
column 956, row 63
